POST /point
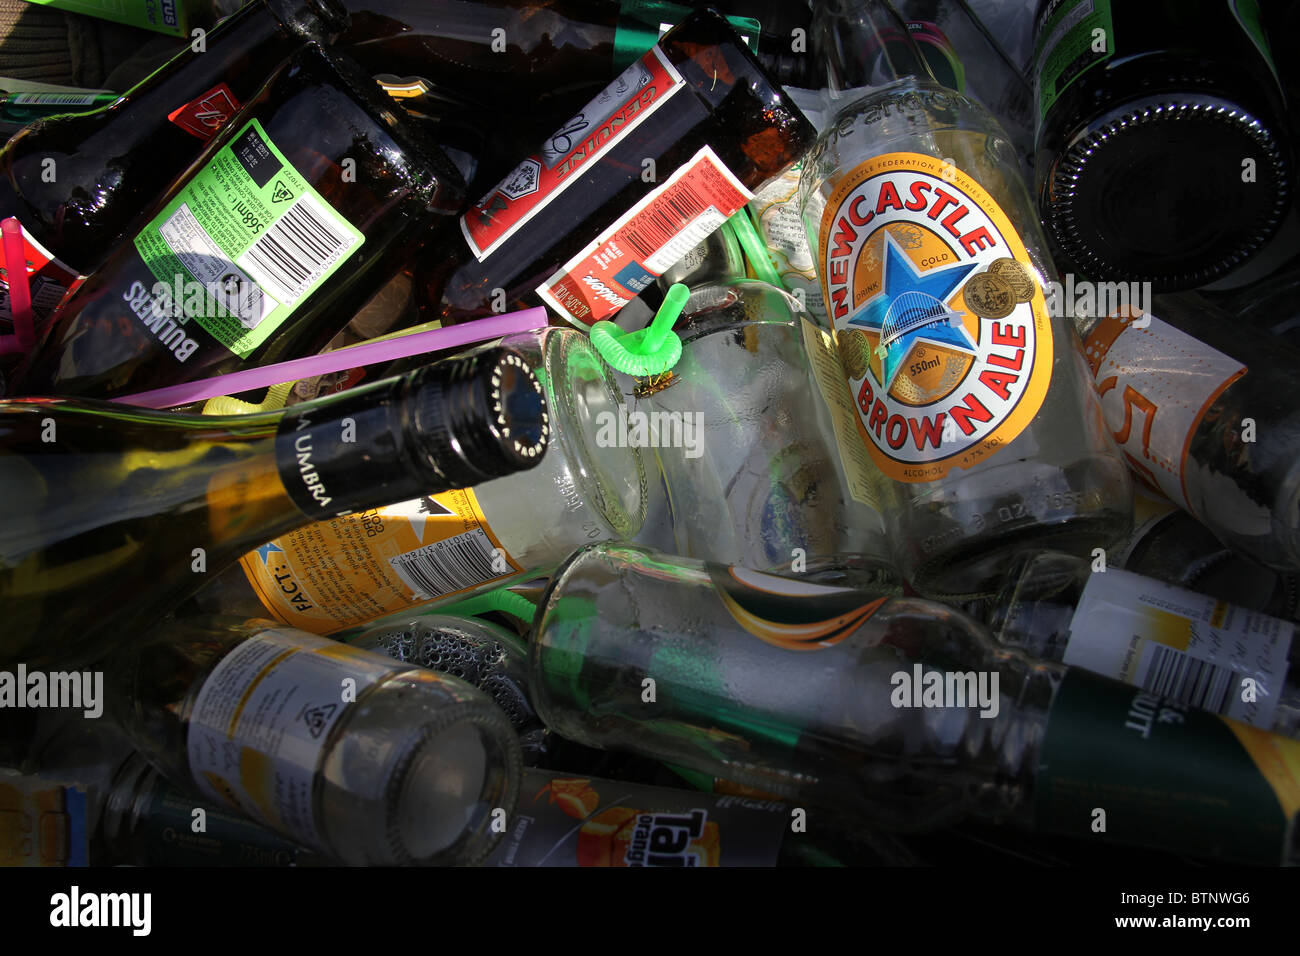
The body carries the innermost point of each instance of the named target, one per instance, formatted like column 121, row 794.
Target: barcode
column 54, row 99
column 298, row 249
column 1189, row 680
column 663, row 221
column 446, row 566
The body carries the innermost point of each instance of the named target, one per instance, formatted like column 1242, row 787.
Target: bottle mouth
column 453, row 780
column 1117, row 210
column 480, row 417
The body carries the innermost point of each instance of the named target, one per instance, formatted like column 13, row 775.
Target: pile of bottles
column 658, row 434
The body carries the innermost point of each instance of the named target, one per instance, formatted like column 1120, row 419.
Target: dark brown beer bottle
column 302, row 207
column 77, row 182
column 1161, row 143
column 657, row 161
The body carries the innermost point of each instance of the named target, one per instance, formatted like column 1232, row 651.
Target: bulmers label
column 938, row 313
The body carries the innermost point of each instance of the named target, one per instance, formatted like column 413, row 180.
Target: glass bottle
column 1192, row 649
column 578, row 820
column 347, row 752
column 971, row 395
column 899, row 712
column 659, row 159
column 291, row 219
column 104, row 500
column 758, row 443
column 78, row 182
column 1204, row 411
column 1162, row 150
column 351, row 569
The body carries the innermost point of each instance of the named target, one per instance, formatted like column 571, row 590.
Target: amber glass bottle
column 290, row 220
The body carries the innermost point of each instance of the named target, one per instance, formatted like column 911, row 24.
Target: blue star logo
column 266, row 550
column 911, row 307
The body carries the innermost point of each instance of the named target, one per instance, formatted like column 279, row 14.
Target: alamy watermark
column 638, row 429
column 922, row 688
column 57, row 689
column 1085, row 299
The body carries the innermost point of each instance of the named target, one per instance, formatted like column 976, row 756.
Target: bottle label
column 788, row 613
column 776, row 211
column 1119, row 764
column 622, row 106
column 829, row 374
column 242, row 244
column 165, row 835
column 1184, row 646
column 572, row 821
column 48, row 281
column 60, row 99
column 331, row 575
column 1156, row 384
column 646, row 241
column 206, row 114
column 938, row 313
column 42, row 822
column 261, row 720
column 1073, row 36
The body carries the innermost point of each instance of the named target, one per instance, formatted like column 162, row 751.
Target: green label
column 1122, row 765
column 642, row 22
column 1075, row 36
column 244, row 242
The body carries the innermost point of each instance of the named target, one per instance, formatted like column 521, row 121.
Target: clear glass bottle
column 355, row 568
column 342, row 750
column 899, row 712
column 104, row 500
column 766, row 469
column 972, row 397
column 1203, row 409
column 1191, row 648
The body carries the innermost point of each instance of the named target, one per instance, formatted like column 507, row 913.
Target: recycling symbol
column 281, row 193
column 317, row 717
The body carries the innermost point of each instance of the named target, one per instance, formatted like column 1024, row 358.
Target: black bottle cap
column 1161, row 191
column 479, row 417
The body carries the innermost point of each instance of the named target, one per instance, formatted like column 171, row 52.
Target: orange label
column 333, row 574
column 938, row 314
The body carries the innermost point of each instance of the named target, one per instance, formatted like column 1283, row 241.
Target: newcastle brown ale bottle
column 76, row 182
column 301, row 209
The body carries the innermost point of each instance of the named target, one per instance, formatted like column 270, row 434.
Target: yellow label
column 333, row 574
column 1278, row 760
column 938, row 313
column 830, row 377
column 35, row 822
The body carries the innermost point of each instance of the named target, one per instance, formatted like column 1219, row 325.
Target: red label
column 620, row 107
column 205, row 115
column 48, row 280
column 646, row 241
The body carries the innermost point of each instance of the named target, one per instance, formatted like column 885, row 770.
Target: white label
column 1156, row 383
column 1176, row 643
column 776, row 210
column 261, row 720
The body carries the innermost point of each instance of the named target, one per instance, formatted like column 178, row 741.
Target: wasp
column 645, row 387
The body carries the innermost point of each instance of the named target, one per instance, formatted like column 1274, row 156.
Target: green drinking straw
column 649, row 351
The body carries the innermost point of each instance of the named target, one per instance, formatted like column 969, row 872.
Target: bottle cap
column 649, row 351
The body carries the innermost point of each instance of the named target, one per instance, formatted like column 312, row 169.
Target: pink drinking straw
column 20, row 295
column 340, row 360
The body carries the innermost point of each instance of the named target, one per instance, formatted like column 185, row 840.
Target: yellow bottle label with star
column 938, row 314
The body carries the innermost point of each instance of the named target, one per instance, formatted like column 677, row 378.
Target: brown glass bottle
column 361, row 189
column 77, row 182
column 1162, row 152
column 614, row 197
